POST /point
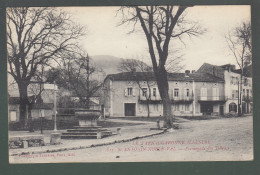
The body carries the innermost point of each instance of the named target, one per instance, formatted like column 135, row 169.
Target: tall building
column 232, row 80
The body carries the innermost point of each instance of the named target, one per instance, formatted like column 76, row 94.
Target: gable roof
column 149, row 76
column 208, row 68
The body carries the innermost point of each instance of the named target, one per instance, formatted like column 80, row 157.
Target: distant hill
column 107, row 63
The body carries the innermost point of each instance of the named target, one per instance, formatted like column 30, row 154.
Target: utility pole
column 55, row 108
column 193, row 94
column 87, row 82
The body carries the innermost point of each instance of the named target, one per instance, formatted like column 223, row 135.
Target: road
column 198, row 140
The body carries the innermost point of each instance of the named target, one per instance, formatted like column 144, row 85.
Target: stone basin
column 87, row 117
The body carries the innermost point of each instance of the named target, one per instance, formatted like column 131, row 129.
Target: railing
column 153, row 98
column 182, row 98
column 212, row 98
column 247, row 98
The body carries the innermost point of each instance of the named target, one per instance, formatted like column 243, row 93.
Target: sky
column 105, row 37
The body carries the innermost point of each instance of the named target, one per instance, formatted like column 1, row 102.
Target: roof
column 232, row 68
column 149, row 76
column 16, row 101
column 247, row 71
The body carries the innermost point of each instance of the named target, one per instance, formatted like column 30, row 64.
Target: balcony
column 212, row 98
column 182, row 99
column 153, row 100
column 247, row 98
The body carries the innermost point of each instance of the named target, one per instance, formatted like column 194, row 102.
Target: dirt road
column 224, row 139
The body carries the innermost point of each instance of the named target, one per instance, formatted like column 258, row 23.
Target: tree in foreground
column 240, row 44
column 36, row 37
column 161, row 25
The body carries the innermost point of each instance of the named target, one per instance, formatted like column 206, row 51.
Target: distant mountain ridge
column 108, row 63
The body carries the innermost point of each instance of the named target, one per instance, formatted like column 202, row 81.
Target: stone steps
column 86, row 132
column 86, row 127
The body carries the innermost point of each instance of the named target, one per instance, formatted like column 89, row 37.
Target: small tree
column 35, row 37
column 160, row 25
column 239, row 43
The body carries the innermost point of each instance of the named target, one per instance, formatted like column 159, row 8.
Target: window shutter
column 126, row 92
column 157, row 93
column 133, row 91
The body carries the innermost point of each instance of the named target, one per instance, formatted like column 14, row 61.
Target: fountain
column 88, row 128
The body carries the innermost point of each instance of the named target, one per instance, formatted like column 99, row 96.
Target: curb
column 88, row 146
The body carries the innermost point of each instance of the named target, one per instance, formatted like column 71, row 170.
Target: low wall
column 63, row 122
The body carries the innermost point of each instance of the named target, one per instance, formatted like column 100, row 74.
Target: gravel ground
column 226, row 139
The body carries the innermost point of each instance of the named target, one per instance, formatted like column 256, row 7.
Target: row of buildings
column 211, row 90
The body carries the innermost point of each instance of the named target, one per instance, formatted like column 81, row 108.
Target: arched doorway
column 232, row 107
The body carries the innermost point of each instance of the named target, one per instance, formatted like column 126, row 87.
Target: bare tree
column 160, row 25
column 240, row 45
column 141, row 73
column 36, row 36
column 79, row 77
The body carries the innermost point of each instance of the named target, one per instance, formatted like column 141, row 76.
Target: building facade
column 191, row 94
column 233, row 81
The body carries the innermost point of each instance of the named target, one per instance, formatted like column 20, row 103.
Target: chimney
column 193, row 71
column 233, row 67
column 187, row 73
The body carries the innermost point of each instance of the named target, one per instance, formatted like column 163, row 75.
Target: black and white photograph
column 129, row 84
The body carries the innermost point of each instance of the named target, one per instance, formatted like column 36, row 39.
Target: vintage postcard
column 129, row 84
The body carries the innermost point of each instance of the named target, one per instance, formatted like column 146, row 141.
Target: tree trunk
column 30, row 123
column 148, row 108
column 163, row 86
column 23, row 104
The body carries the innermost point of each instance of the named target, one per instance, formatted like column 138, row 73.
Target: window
column 129, row 91
column 187, row 107
column 154, row 92
column 236, row 94
column 176, row 107
column 12, row 116
column 203, row 93
column 176, row 92
column 42, row 114
column 246, row 82
column 187, row 92
column 155, row 107
column 144, row 91
column 231, row 80
column 215, row 93
column 247, row 92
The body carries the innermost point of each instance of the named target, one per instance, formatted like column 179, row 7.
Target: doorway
column 129, row 109
column 221, row 110
column 206, row 108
